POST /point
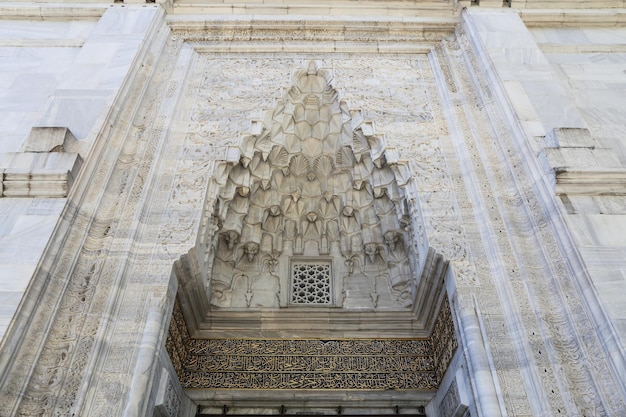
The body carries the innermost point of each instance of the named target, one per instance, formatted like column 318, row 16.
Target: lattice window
column 310, row 282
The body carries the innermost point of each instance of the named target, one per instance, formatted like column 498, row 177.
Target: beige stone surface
column 508, row 122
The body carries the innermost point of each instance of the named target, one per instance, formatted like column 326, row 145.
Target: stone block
column 49, row 139
column 570, row 137
column 561, row 159
column 37, row 174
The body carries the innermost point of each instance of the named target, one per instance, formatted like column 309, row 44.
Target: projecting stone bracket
column 577, row 165
column 43, row 168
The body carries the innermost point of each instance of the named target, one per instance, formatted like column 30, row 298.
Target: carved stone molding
column 254, row 34
column 168, row 403
column 302, row 364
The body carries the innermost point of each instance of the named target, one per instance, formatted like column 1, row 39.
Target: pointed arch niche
column 312, row 270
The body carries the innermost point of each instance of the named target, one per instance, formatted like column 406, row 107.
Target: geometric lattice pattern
column 310, row 283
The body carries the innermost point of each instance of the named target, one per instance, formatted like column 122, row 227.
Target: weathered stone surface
column 510, row 125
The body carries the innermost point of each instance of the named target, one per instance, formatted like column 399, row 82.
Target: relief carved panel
column 311, row 179
column 371, row 364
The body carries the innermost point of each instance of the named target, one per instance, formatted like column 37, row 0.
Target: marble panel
column 56, row 60
column 561, row 35
column 13, row 281
column 10, row 121
column 9, row 301
column 20, row 100
column 28, row 76
column 77, row 113
column 586, row 58
column 501, row 40
column 13, row 206
column 527, row 56
column 601, row 258
column 45, row 206
column 611, row 36
column 124, row 21
column 552, row 104
column 116, row 69
column 610, row 204
column 500, row 21
column 96, row 53
column 6, row 224
column 30, row 30
column 613, row 293
column 15, row 277
column 7, row 53
column 533, row 128
column 603, row 71
column 15, row 60
column 23, row 244
column 605, row 122
column 7, row 78
column 608, row 275
column 583, row 204
column 620, row 327
column 607, row 230
column 606, row 99
column 25, row 227
column 516, row 72
column 34, row 81
column 523, row 106
column 83, row 76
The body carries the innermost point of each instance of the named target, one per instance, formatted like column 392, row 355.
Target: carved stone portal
column 311, row 182
column 311, row 212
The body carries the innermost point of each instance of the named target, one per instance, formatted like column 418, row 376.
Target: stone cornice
column 590, row 182
column 314, row 28
column 314, row 33
column 52, row 11
column 573, row 17
column 362, row 8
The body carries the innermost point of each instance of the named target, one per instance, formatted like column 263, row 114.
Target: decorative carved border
column 370, row 364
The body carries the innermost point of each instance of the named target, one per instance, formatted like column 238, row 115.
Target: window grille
column 310, row 283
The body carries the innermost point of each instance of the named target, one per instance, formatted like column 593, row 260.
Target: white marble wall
column 591, row 62
column 568, row 78
column 25, row 227
column 55, row 73
column 34, row 56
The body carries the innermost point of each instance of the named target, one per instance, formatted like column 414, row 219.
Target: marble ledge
column 179, row 21
column 559, row 48
column 250, row 29
column 41, row 43
column 322, row 47
column 334, row 8
column 574, row 17
column 590, row 182
column 52, row 11
column 38, row 174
